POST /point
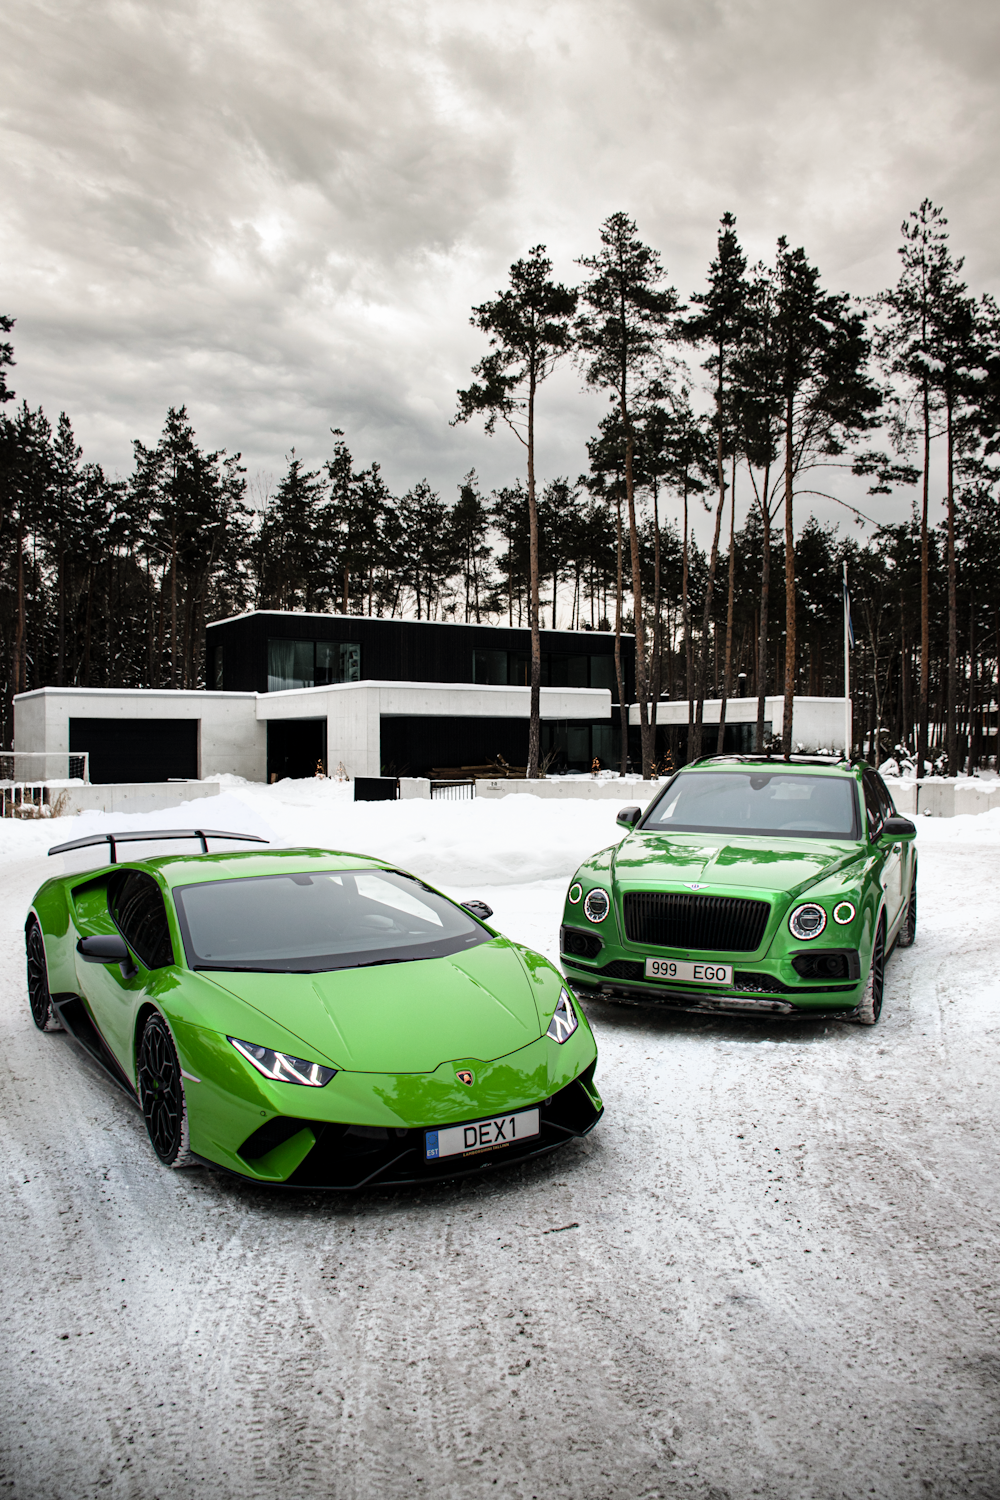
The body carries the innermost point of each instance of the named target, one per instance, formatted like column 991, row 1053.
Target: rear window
column 757, row 802
column 311, row 923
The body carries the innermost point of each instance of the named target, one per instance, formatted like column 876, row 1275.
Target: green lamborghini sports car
column 308, row 1018
column 749, row 885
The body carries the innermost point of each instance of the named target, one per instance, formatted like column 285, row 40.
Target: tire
column 39, row 995
column 870, row 1009
column 908, row 931
column 161, row 1094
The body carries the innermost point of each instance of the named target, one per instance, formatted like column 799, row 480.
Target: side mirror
column 479, row 909
column 898, row 827
column 629, row 816
column 107, row 948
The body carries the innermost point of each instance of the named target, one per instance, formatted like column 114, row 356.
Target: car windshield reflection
column 757, row 802
column 312, row 923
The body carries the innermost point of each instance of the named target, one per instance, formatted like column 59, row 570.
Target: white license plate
column 480, row 1135
column 673, row 968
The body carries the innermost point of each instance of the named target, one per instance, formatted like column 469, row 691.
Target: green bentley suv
column 749, row 884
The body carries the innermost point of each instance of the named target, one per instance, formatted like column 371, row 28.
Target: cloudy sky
column 279, row 212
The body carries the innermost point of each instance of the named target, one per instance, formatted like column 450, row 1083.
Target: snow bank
column 513, row 840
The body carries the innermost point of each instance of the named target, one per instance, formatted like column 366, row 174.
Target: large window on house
column 302, row 664
column 513, row 668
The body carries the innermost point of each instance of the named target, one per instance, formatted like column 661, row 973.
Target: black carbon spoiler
column 145, row 836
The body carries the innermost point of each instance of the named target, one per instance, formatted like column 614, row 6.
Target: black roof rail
column 145, row 836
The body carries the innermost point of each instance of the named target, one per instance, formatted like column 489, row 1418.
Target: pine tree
column 630, row 317
column 529, row 331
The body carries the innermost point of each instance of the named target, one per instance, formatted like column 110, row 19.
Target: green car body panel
column 397, row 1034
column 874, row 872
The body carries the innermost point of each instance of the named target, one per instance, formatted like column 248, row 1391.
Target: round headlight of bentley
column 807, row 921
column 843, row 913
column 597, row 905
column 575, row 892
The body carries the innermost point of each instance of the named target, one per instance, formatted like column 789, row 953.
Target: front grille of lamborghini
column 701, row 924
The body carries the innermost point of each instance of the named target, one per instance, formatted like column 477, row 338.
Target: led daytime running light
column 564, row 1019
column 843, row 913
column 283, row 1068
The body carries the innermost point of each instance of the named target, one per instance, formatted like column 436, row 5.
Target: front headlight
column 807, row 921
column 597, row 905
column 564, row 1019
column 283, row 1068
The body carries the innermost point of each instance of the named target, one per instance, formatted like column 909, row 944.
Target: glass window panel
column 576, row 671
column 490, row 667
column 602, row 672
column 289, row 665
column 217, row 671
column 602, row 743
column 337, row 661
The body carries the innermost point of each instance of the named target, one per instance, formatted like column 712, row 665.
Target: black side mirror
column 629, row 816
column 898, row 827
column 107, row 948
column 479, row 909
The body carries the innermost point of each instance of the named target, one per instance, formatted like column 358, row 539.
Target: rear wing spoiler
column 145, row 836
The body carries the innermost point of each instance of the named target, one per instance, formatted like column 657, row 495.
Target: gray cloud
column 281, row 213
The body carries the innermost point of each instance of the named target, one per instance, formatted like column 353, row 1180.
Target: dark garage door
column 137, row 749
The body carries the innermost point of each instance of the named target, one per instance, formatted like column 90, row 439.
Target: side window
column 137, row 910
column 888, row 806
column 873, row 807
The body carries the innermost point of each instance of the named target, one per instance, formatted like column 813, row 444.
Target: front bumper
column 349, row 1157
column 754, row 991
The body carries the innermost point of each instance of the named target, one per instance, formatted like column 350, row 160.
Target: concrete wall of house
column 233, row 726
column 817, row 723
column 230, row 736
column 354, row 711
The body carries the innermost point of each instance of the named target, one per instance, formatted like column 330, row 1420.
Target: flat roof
column 306, row 614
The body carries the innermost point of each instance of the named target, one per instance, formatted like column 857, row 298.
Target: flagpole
column 847, row 670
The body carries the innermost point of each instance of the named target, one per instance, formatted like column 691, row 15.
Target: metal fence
column 36, row 767
column 453, row 791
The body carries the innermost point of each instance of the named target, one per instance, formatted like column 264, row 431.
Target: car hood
column 658, row 860
column 402, row 1017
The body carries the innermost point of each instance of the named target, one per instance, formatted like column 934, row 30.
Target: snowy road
column 771, row 1271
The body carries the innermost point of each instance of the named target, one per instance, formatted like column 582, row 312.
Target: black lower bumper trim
column 699, row 1003
column 344, row 1158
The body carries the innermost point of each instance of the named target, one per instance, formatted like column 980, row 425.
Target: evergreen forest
column 743, row 402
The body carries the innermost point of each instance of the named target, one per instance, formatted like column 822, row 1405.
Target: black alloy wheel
column 908, row 931
column 161, row 1094
column 871, row 1005
column 39, row 997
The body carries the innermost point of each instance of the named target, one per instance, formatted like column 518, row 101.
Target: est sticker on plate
column 481, row 1135
column 673, row 968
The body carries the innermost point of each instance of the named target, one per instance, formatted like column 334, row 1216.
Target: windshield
column 758, row 802
column 310, row 923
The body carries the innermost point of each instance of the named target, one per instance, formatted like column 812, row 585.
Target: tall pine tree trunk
column 535, row 709
column 786, row 727
column 688, row 644
column 641, row 665
column 765, row 590
column 727, row 679
column 952, row 705
column 925, row 605
column 619, row 588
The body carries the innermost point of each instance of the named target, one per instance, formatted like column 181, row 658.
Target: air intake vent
column 707, row 924
column 573, row 942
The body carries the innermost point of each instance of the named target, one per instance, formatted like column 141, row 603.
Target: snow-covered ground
column 772, row 1270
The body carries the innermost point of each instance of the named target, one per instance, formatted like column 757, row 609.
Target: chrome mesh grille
column 708, row 924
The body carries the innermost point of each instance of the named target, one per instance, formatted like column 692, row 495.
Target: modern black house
column 269, row 651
